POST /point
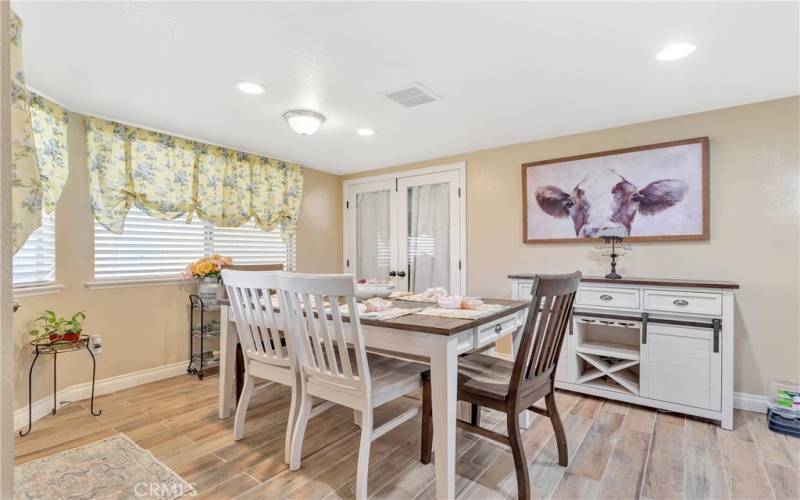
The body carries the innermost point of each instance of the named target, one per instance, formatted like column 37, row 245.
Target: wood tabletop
column 685, row 283
column 434, row 324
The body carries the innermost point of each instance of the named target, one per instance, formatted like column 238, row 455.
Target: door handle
column 402, row 274
column 392, row 274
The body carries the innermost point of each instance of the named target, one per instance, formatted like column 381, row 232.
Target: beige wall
column 755, row 157
column 142, row 327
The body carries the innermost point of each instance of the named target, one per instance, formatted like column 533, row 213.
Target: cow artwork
column 656, row 192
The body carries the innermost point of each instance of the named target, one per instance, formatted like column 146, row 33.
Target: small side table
column 44, row 346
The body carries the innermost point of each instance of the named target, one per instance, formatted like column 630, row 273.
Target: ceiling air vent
column 412, row 94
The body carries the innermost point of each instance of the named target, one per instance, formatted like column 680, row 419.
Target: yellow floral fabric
column 223, row 186
column 162, row 173
column 49, row 123
column 168, row 177
column 110, row 184
column 26, row 186
column 38, row 149
column 276, row 192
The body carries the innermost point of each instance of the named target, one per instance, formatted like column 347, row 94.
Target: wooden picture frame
column 593, row 208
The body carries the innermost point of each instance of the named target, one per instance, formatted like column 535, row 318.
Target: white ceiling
column 507, row 73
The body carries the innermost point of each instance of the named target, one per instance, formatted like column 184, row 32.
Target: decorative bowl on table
column 369, row 290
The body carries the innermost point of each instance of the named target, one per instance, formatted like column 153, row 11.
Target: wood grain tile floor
column 616, row 450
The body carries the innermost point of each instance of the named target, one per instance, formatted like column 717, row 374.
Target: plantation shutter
column 155, row 248
column 147, row 248
column 248, row 245
column 35, row 262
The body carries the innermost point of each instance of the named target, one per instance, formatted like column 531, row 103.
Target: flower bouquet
column 209, row 270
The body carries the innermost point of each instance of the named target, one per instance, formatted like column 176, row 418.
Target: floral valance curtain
column 38, row 148
column 169, row 177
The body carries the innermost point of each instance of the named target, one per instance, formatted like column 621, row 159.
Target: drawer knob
column 680, row 302
column 497, row 328
column 606, row 297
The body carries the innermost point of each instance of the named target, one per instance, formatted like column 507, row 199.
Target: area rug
column 113, row 468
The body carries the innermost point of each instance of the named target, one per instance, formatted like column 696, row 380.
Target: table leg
column 227, row 364
column 30, row 394
column 444, row 385
column 94, row 374
column 55, row 383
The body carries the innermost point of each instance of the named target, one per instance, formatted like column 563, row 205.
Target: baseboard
column 741, row 400
column 750, row 402
column 44, row 406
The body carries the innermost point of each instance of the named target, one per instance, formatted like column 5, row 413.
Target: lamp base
column 613, row 276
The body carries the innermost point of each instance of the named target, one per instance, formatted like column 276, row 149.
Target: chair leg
column 362, row 472
column 299, row 432
column 241, row 407
column 294, row 409
column 518, row 451
column 558, row 428
column 474, row 414
column 426, row 440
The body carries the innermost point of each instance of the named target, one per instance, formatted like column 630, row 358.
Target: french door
column 408, row 229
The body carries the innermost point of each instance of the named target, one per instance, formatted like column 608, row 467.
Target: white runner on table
column 412, row 297
column 481, row 311
column 391, row 313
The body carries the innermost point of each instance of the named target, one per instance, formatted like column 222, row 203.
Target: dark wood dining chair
column 513, row 387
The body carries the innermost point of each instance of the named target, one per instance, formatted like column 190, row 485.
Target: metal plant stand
column 45, row 346
column 201, row 331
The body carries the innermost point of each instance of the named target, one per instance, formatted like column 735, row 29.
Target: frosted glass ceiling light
column 675, row 51
column 250, row 87
column 303, row 121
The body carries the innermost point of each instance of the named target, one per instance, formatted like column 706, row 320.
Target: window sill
column 136, row 282
column 40, row 289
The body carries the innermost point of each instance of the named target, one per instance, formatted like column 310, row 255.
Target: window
column 153, row 248
column 35, row 262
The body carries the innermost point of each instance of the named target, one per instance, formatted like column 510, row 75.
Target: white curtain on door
column 373, row 242
column 429, row 236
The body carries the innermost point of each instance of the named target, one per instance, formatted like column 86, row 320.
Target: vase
column 208, row 290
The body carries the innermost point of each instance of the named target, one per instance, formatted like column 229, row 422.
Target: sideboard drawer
column 612, row 298
column 683, row 302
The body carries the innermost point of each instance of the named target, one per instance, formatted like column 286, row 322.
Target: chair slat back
column 260, row 329
column 318, row 329
column 548, row 319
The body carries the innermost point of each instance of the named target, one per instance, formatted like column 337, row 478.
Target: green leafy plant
column 50, row 326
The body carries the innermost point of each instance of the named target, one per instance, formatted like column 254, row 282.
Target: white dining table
column 432, row 339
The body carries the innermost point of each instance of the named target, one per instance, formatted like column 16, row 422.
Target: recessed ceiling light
column 675, row 51
column 250, row 87
column 303, row 121
column 365, row 132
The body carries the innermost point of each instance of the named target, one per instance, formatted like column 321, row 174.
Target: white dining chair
column 267, row 353
column 335, row 366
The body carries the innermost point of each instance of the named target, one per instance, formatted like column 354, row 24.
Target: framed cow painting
column 646, row 193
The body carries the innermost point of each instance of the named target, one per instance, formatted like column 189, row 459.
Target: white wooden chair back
column 318, row 330
column 259, row 327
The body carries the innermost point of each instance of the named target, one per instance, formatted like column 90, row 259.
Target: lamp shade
column 303, row 121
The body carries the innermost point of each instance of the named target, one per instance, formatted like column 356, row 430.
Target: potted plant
column 57, row 329
column 209, row 271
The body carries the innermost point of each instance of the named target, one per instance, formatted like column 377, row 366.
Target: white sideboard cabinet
column 667, row 344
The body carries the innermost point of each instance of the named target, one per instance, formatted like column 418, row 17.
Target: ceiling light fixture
column 675, row 51
column 303, row 121
column 250, row 88
column 365, row 132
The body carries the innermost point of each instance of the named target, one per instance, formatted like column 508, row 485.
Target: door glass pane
column 428, row 237
column 373, row 239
